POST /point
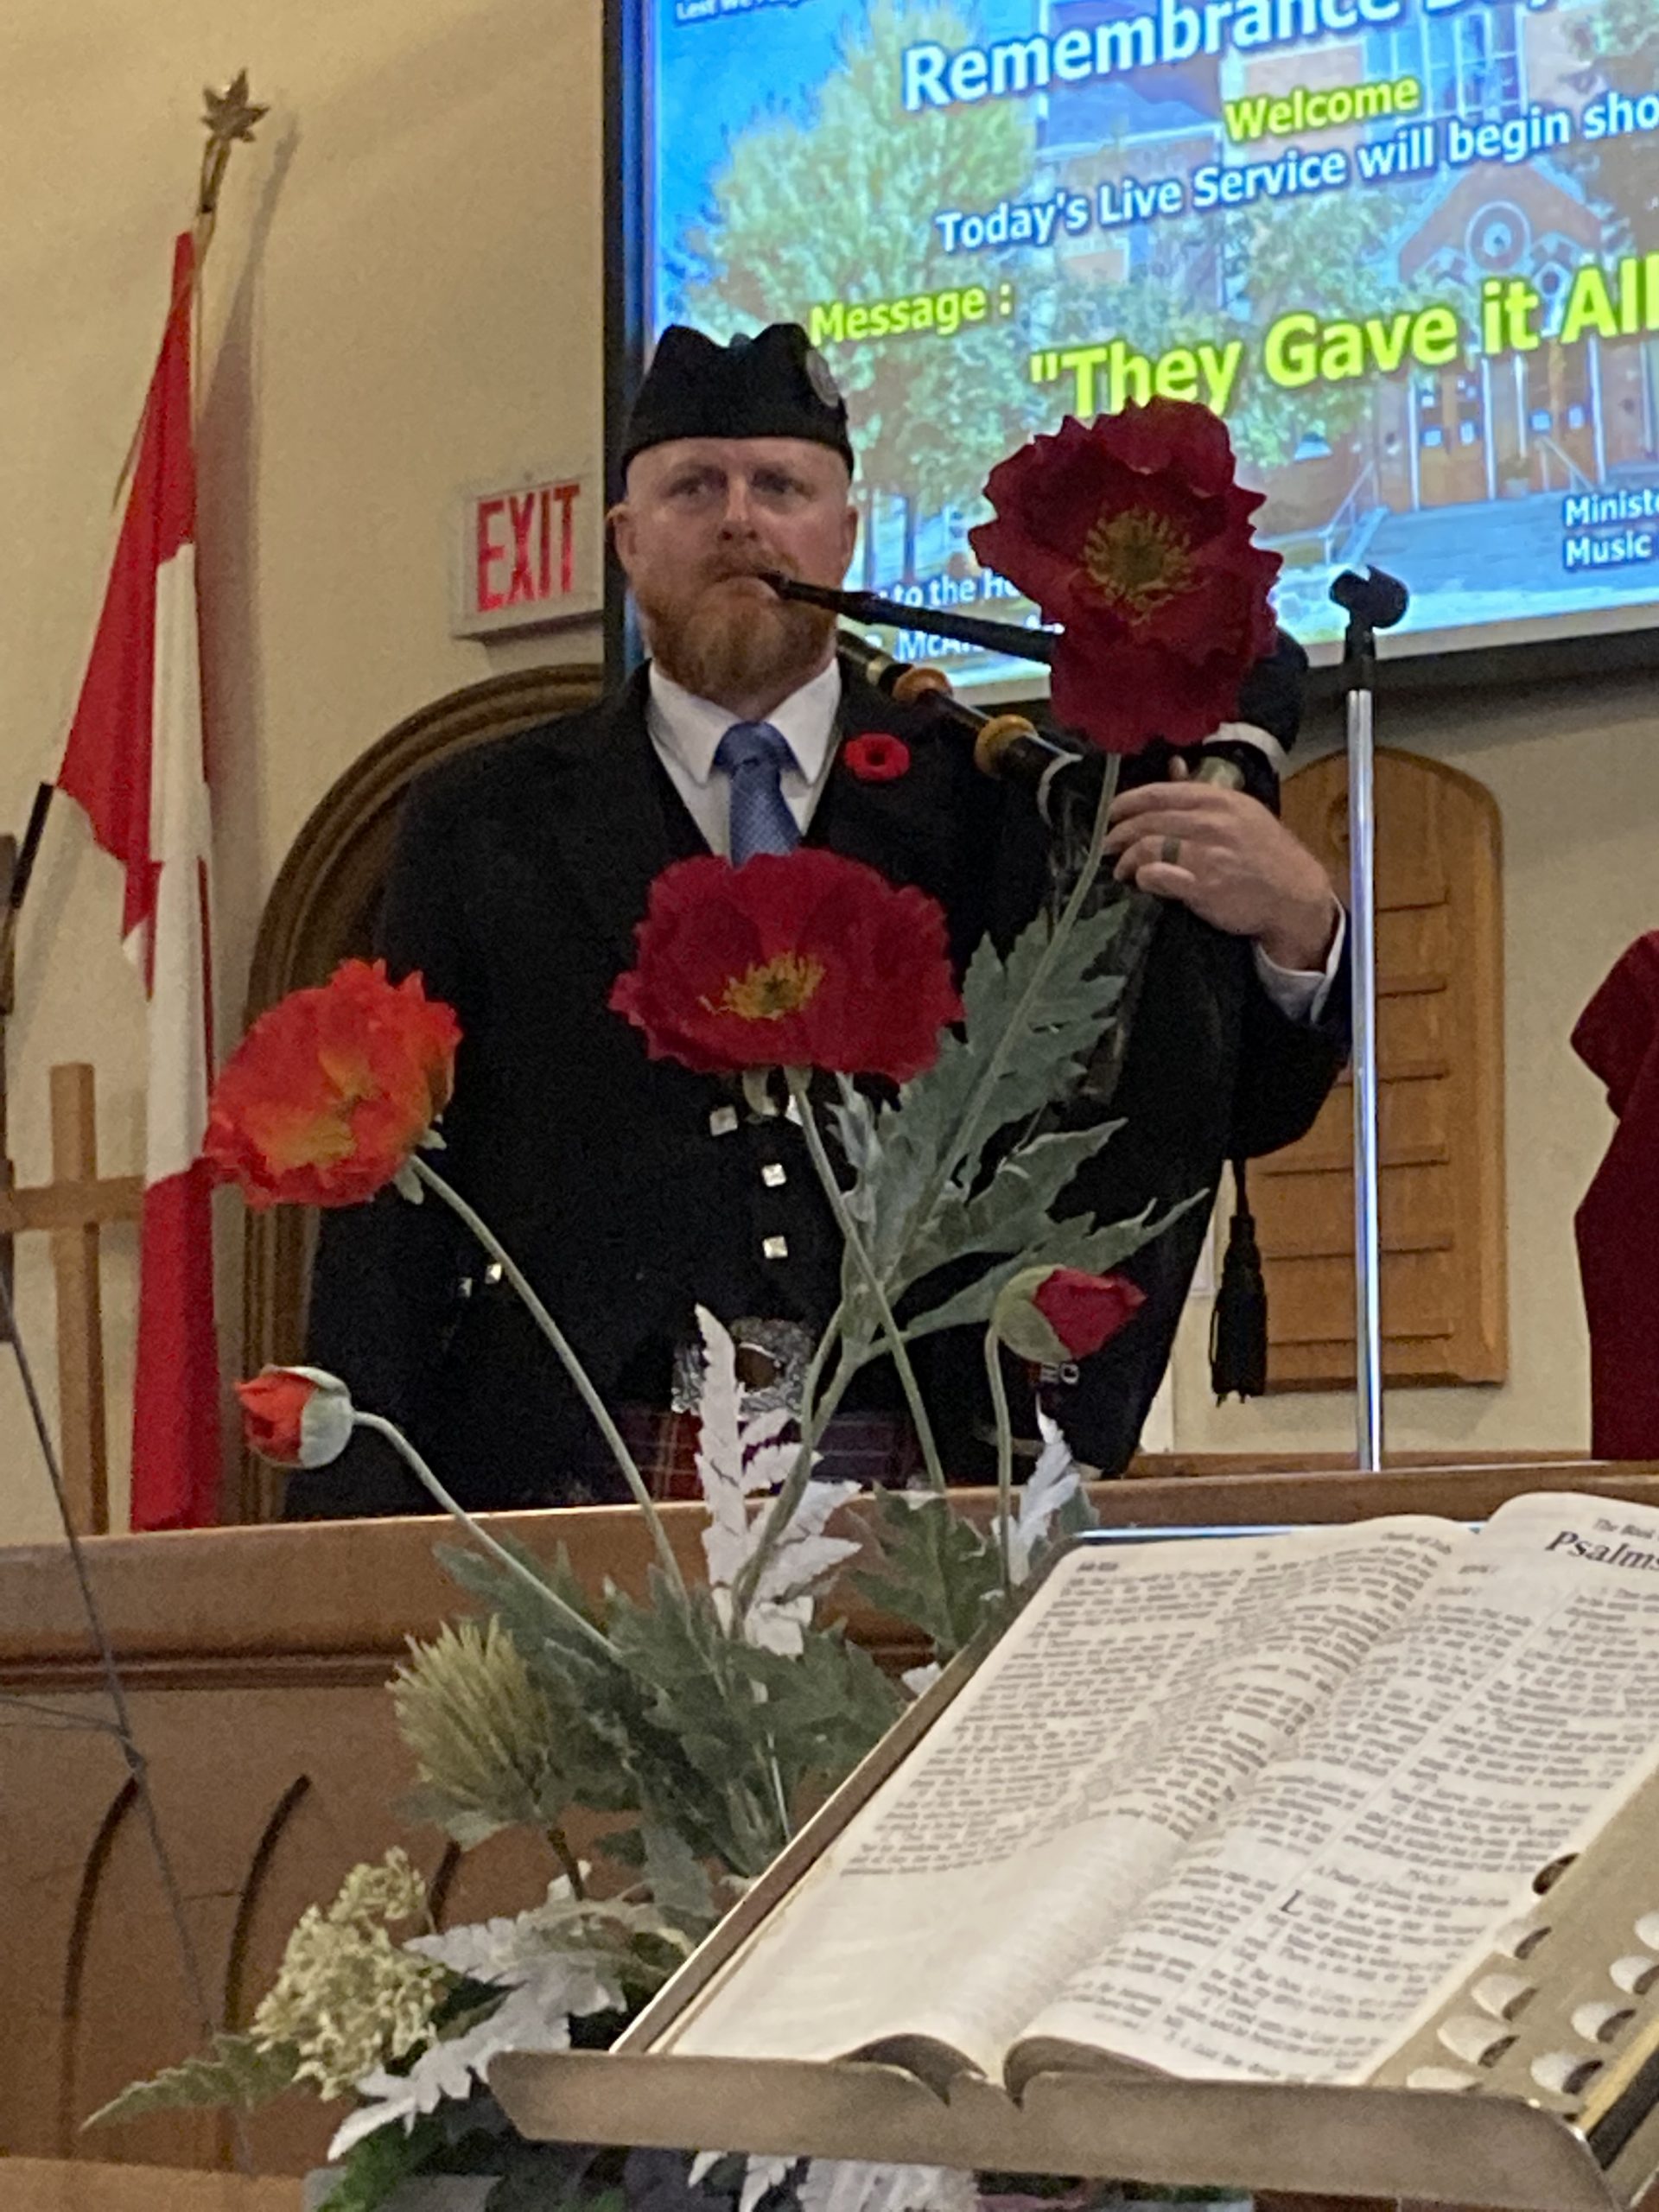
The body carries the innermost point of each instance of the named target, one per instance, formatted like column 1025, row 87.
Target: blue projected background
column 1410, row 251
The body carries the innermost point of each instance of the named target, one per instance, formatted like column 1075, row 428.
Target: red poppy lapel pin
column 876, row 758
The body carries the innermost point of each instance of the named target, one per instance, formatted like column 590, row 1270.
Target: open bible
column 1277, row 1808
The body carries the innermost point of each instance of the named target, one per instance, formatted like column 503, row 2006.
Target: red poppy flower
column 798, row 960
column 1085, row 1310
column 875, row 758
column 297, row 1416
column 329, row 1093
column 1052, row 1314
column 1134, row 535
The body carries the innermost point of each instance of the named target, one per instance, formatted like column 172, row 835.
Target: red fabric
column 106, row 763
column 118, row 754
column 877, row 1451
column 175, row 1443
column 1617, row 1225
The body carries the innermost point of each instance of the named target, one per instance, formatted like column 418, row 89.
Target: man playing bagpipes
column 633, row 1189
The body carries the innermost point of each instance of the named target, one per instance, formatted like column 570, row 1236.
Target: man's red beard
column 727, row 644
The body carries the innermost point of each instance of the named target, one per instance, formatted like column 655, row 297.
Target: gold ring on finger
column 1171, row 853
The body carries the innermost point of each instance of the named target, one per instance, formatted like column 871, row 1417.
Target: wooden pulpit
column 255, row 1661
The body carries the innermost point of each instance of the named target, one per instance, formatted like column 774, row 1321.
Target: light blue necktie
column 754, row 756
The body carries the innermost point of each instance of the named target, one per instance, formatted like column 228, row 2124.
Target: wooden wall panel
column 255, row 1661
column 1440, row 1107
column 36, row 2185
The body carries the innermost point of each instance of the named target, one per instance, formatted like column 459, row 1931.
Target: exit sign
column 529, row 553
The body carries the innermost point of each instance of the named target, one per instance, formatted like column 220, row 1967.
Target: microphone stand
column 1374, row 601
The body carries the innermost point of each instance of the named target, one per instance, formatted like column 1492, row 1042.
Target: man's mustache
column 762, row 563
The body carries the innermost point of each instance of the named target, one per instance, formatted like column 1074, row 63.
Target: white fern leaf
column 770, row 1467
column 535, row 2015
column 759, row 2175
column 804, row 1553
column 797, row 1570
column 720, row 1458
column 851, row 2185
column 762, row 2175
column 1053, row 1480
column 764, row 1429
column 738, row 1460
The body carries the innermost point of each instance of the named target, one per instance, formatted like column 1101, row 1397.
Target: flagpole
column 21, row 868
column 228, row 118
column 1374, row 601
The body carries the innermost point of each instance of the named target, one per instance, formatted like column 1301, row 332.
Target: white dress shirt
column 686, row 732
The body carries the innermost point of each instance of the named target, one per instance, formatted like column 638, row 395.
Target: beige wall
column 1575, row 773
column 405, row 297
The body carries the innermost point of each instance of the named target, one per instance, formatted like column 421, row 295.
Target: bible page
column 1363, row 1874
column 1127, row 1705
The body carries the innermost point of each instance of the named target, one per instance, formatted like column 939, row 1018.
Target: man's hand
column 1235, row 864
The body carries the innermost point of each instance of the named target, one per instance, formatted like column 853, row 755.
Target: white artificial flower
column 917, row 1679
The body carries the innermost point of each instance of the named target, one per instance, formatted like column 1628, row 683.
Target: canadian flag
column 135, row 761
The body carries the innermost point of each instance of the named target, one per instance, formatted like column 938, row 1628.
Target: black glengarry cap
column 773, row 385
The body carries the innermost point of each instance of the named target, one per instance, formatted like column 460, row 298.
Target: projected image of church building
column 1507, row 173
column 1407, row 249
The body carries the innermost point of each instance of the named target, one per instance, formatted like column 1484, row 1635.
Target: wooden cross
column 72, row 1208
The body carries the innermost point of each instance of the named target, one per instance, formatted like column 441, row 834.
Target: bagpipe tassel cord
column 1238, row 1327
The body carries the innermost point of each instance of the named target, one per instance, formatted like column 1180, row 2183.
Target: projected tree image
column 841, row 209
column 1412, row 256
column 1620, row 42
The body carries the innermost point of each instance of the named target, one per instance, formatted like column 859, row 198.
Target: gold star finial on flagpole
column 230, row 114
column 228, row 118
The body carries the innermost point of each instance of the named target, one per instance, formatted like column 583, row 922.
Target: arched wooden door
column 1440, row 1046
column 320, row 910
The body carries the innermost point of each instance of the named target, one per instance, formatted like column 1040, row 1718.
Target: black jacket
column 519, row 874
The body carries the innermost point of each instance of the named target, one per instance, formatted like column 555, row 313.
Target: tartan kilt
column 877, row 1451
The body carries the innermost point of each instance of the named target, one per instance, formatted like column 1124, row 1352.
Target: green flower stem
column 967, row 1128
column 820, row 1360
column 778, row 1798
column 866, row 1266
column 400, row 1444
column 570, row 1864
column 572, row 1367
column 1004, row 1456
column 1143, row 910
